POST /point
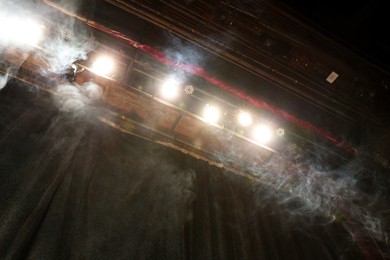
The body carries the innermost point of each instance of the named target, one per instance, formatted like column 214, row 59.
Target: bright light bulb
column 170, row 88
column 244, row 118
column 103, row 66
column 20, row 31
column 262, row 134
column 211, row 114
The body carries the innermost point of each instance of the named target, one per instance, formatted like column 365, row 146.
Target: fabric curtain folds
column 74, row 188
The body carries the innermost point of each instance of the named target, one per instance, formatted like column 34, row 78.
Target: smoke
column 4, row 80
column 34, row 32
column 92, row 90
column 32, row 29
column 69, row 42
column 18, row 34
column 302, row 182
column 75, row 99
column 183, row 53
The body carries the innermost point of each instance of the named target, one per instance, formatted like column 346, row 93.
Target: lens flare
column 170, row 88
column 262, row 134
column 20, row 31
column 103, row 66
column 244, row 118
column 211, row 114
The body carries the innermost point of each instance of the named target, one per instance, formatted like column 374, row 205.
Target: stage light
column 170, row 88
column 244, row 118
column 211, row 114
column 20, row 31
column 262, row 134
column 103, row 66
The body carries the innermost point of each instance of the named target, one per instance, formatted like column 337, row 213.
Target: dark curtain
column 74, row 188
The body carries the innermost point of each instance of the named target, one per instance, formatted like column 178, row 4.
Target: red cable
column 258, row 103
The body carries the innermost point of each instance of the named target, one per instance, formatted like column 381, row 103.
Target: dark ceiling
column 362, row 25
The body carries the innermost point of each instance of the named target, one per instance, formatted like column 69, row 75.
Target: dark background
column 360, row 25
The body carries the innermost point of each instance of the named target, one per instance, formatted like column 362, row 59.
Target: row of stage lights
column 170, row 90
column 261, row 133
column 29, row 33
